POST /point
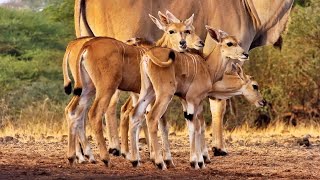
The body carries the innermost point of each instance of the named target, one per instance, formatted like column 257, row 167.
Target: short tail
column 66, row 78
column 78, row 79
column 160, row 63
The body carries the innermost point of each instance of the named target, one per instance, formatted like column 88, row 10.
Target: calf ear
column 231, row 69
column 241, row 73
column 216, row 34
column 189, row 21
column 172, row 18
column 157, row 22
column 163, row 18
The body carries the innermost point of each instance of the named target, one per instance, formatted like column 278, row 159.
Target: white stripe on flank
column 124, row 51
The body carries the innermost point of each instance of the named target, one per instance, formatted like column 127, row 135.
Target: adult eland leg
column 217, row 108
column 112, row 125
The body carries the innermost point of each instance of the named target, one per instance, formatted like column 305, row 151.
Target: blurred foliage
column 289, row 78
column 32, row 45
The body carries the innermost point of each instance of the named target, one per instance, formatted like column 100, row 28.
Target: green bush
column 32, row 45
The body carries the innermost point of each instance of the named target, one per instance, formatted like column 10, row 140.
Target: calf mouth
column 183, row 46
column 262, row 103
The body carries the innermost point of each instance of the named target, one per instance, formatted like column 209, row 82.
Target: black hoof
column 168, row 162
column 106, row 162
column 206, row 160
column 201, row 164
column 193, row 165
column 160, row 166
column 68, row 89
column 218, row 152
column 114, row 151
column 71, row 160
column 134, row 163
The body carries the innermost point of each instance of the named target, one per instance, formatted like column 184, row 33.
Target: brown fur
column 105, row 65
column 192, row 78
column 72, row 52
column 255, row 23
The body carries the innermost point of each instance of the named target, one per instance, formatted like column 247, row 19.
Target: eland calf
column 165, row 73
column 105, row 65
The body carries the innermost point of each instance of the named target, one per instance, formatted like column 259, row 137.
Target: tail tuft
column 77, row 91
column 172, row 55
column 68, row 89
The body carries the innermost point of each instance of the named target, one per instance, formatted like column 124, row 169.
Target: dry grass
column 37, row 120
column 43, row 119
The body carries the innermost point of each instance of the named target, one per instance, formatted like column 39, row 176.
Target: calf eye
column 187, row 31
column 229, row 44
column 171, row 32
column 255, row 87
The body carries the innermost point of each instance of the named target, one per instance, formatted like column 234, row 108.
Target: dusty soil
column 260, row 158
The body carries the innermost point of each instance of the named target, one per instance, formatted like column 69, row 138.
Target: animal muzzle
column 262, row 103
column 244, row 57
column 183, row 44
column 199, row 45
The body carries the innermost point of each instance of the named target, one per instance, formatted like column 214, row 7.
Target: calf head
column 229, row 45
column 137, row 41
column 235, row 82
column 178, row 35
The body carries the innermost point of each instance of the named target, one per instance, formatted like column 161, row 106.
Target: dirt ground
column 248, row 158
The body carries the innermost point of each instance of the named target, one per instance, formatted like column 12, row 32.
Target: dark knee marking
column 77, row 91
column 68, row 89
column 188, row 116
column 134, row 163
column 218, row 152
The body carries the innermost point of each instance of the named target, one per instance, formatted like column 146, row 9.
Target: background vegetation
column 33, row 40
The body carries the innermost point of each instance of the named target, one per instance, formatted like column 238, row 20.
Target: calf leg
column 75, row 114
column 164, row 128
column 204, row 148
column 136, row 115
column 112, row 125
column 84, row 141
column 124, row 126
column 95, row 114
column 153, row 118
column 196, row 158
column 79, row 154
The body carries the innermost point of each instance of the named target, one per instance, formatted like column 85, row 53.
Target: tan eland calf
column 165, row 73
column 106, row 65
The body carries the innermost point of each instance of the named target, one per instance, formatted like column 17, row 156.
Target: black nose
column 202, row 43
column 183, row 42
column 247, row 55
